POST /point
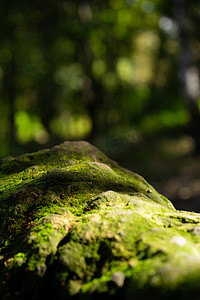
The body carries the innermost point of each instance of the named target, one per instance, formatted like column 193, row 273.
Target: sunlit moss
column 88, row 228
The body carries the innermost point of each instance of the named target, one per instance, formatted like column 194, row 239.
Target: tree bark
column 9, row 90
column 92, row 91
column 188, row 71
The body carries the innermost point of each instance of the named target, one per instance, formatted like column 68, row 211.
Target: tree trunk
column 92, row 91
column 188, row 71
column 9, row 86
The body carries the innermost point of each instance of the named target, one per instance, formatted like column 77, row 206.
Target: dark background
column 122, row 74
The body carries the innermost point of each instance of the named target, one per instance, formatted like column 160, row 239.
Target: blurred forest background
column 122, row 74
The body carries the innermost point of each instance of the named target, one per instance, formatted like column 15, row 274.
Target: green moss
column 73, row 222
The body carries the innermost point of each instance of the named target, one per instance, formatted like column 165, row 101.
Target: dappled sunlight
column 140, row 67
column 125, row 69
column 99, row 66
column 165, row 120
column 169, row 26
column 147, row 6
column 179, row 147
column 29, row 128
column 70, row 77
column 72, row 126
column 110, row 81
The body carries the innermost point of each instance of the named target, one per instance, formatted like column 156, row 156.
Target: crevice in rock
column 65, row 240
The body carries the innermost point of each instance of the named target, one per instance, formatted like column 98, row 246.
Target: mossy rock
column 75, row 225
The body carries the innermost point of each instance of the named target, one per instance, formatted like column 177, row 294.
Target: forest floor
column 169, row 166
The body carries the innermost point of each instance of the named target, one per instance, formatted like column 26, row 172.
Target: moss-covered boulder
column 73, row 224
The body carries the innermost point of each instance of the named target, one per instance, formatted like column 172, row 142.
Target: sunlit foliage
column 73, row 70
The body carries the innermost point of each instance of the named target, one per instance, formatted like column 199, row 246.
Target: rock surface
column 74, row 224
